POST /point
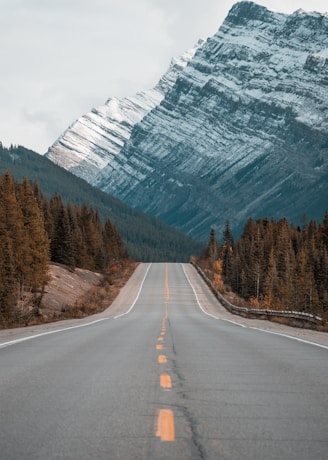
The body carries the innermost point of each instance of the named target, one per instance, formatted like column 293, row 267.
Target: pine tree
column 285, row 264
column 278, row 265
column 212, row 251
column 35, row 255
column 271, row 281
column 78, row 249
column 14, row 225
column 62, row 250
column 8, row 282
column 113, row 245
column 322, row 279
column 227, row 251
column 325, row 230
column 90, row 234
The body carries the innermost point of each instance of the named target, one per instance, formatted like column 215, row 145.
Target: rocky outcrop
column 94, row 140
column 243, row 132
column 240, row 131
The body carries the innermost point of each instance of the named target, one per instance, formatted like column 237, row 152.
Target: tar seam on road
column 165, row 419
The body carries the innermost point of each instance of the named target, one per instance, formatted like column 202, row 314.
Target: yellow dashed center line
column 165, row 381
column 165, row 421
column 165, row 425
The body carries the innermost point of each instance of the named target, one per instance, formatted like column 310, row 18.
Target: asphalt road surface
column 164, row 373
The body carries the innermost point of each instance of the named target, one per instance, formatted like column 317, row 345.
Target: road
column 164, row 373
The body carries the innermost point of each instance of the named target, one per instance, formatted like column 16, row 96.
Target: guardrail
column 296, row 317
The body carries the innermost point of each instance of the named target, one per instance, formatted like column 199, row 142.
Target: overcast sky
column 60, row 58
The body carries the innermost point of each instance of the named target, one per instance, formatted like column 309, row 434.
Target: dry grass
column 75, row 294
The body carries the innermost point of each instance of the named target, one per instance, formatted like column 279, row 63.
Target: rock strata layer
column 242, row 131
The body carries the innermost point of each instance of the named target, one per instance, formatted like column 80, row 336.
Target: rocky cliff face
column 242, row 132
column 94, row 140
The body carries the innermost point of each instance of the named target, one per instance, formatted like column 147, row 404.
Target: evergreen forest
column 146, row 238
column 35, row 231
column 273, row 264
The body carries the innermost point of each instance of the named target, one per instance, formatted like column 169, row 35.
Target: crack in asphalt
column 192, row 422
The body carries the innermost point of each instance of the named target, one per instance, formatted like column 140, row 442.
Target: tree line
column 146, row 238
column 273, row 264
column 35, row 231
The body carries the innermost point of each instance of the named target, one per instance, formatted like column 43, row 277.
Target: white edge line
column 252, row 327
column 201, row 307
column 233, row 322
column 290, row 337
column 135, row 300
column 23, row 339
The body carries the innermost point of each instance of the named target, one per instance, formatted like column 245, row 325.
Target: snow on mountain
column 243, row 132
column 240, row 131
column 92, row 141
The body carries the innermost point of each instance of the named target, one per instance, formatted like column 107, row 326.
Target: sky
column 61, row 58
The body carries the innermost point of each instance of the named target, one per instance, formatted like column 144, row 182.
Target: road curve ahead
column 162, row 379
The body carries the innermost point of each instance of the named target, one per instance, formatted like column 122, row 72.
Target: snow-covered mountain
column 93, row 140
column 243, row 131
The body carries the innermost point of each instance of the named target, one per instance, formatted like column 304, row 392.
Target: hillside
column 241, row 133
column 146, row 238
column 93, row 140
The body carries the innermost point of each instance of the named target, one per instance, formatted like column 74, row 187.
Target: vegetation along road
column 164, row 373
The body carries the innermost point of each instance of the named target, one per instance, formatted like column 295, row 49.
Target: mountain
column 94, row 140
column 146, row 237
column 242, row 132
